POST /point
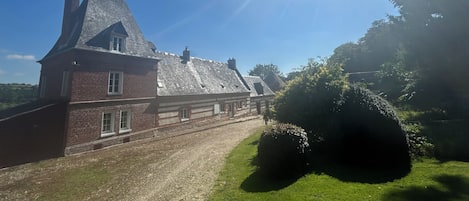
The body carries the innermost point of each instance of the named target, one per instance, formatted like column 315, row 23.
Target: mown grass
column 429, row 180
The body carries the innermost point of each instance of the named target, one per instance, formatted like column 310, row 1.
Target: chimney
column 232, row 64
column 186, row 55
column 67, row 24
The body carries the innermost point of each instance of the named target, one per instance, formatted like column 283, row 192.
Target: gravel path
column 190, row 172
column 178, row 168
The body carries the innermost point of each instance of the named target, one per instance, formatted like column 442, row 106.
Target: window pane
column 116, row 86
column 124, row 120
column 184, row 114
column 120, row 45
column 111, row 80
column 114, row 45
column 115, row 83
column 107, row 123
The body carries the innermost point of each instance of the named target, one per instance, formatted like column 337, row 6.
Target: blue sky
column 282, row 32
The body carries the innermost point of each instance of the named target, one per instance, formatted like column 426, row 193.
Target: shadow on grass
column 456, row 187
column 361, row 175
column 258, row 182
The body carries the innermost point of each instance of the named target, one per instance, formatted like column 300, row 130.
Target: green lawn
column 428, row 180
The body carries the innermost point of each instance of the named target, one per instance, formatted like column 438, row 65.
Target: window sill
column 103, row 135
column 183, row 120
column 125, row 131
column 114, row 94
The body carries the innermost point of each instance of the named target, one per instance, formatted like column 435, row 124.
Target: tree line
column 419, row 57
column 16, row 94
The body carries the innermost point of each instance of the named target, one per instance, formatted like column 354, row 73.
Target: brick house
column 105, row 70
column 108, row 85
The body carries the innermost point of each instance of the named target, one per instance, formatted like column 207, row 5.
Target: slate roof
column 95, row 20
column 258, row 86
column 196, row 77
column 274, row 81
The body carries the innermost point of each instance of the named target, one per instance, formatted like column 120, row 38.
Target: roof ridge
column 196, row 58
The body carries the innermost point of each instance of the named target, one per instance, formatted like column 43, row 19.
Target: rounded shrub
column 369, row 133
column 311, row 99
column 282, row 150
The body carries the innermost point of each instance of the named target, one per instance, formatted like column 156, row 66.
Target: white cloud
column 21, row 57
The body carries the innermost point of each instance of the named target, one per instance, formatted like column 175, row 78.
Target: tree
column 262, row 70
column 375, row 48
column 347, row 55
column 310, row 99
column 434, row 34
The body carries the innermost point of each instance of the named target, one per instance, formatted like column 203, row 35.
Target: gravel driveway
column 178, row 168
column 189, row 172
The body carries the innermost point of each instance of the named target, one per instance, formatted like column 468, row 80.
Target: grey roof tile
column 196, row 77
column 96, row 18
column 258, row 86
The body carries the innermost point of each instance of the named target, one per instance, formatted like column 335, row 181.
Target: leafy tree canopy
column 262, row 70
column 421, row 54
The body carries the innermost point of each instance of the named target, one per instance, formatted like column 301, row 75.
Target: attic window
column 117, row 43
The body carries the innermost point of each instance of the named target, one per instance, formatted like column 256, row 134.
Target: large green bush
column 282, row 150
column 357, row 126
column 369, row 133
column 312, row 98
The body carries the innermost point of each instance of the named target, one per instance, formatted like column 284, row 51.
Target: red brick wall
column 91, row 84
column 90, row 79
column 90, row 74
column 84, row 120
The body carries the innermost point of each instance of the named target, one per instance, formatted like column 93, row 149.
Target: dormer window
column 117, row 43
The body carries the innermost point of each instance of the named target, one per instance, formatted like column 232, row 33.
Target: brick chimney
column 232, row 64
column 186, row 55
column 67, row 24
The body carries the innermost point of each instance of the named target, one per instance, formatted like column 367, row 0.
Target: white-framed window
column 107, row 124
column 216, row 109
column 42, row 90
column 115, row 83
column 185, row 114
column 117, row 43
column 125, row 121
column 65, row 83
